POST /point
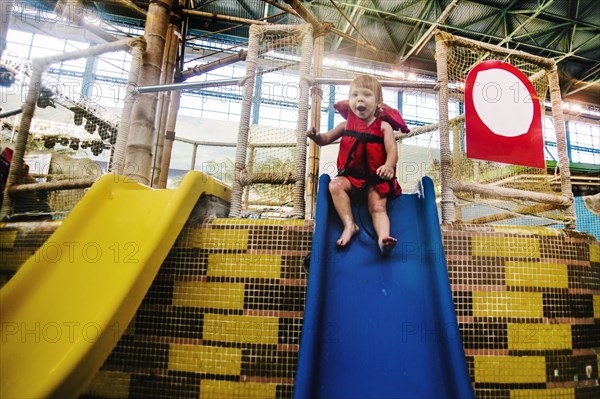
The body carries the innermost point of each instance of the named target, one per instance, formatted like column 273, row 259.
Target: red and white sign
column 503, row 116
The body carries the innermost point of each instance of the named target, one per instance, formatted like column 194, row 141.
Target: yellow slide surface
column 68, row 305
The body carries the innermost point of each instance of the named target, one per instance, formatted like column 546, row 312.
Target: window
column 105, row 85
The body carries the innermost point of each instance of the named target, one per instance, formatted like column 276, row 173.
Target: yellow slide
column 68, row 305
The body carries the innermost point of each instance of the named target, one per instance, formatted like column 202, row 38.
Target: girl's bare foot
column 387, row 245
column 349, row 231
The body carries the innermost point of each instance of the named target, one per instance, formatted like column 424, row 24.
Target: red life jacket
column 362, row 150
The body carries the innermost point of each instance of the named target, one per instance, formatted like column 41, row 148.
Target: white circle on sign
column 500, row 100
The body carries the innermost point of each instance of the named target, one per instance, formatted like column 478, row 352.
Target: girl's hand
column 385, row 172
column 312, row 133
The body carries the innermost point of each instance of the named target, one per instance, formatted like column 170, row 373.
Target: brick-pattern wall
column 223, row 318
column 528, row 307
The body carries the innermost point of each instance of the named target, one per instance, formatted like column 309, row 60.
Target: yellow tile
column 7, row 238
column 259, row 222
column 244, row 265
column 13, row 260
column 528, row 230
column 110, row 384
column 240, row 329
column 205, row 359
column 509, row 369
column 507, row 304
column 552, row 393
column 210, row 389
column 536, row 274
column 596, row 306
column 218, row 239
column 539, row 336
column 208, row 295
column 519, row 247
column 594, row 252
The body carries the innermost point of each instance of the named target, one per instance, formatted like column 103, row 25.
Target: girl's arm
column 388, row 170
column 329, row 137
column 390, row 144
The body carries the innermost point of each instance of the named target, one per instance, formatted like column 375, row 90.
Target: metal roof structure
column 400, row 33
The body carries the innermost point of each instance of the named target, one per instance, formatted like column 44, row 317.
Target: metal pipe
column 188, row 86
column 11, row 112
column 207, row 143
column 384, row 83
column 203, row 14
column 418, row 46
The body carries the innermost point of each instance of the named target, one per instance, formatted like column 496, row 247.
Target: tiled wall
column 528, row 307
column 223, row 318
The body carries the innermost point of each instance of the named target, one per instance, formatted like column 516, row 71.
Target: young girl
column 367, row 158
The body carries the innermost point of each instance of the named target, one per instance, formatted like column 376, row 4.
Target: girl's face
column 363, row 103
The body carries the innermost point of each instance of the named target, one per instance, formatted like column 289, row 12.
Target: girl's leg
column 339, row 188
column 381, row 222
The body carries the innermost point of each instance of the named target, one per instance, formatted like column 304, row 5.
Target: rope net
column 489, row 209
column 271, row 151
column 271, row 155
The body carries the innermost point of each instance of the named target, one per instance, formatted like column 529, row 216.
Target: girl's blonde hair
column 369, row 82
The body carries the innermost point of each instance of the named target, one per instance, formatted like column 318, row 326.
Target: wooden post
column 141, row 140
column 168, row 71
column 314, row 151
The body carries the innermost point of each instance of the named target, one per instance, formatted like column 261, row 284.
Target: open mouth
column 361, row 108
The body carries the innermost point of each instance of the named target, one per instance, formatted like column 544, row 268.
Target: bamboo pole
column 52, row 186
column 170, row 134
column 168, row 71
column 428, row 128
column 512, row 193
column 169, row 138
column 267, row 178
column 200, row 69
column 140, row 144
column 314, row 151
column 532, row 209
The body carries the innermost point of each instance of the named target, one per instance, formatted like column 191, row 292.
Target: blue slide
column 377, row 327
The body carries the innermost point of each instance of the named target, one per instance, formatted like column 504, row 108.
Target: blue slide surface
column 378, row 327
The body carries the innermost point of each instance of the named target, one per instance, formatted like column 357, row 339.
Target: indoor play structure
column 144, row 291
